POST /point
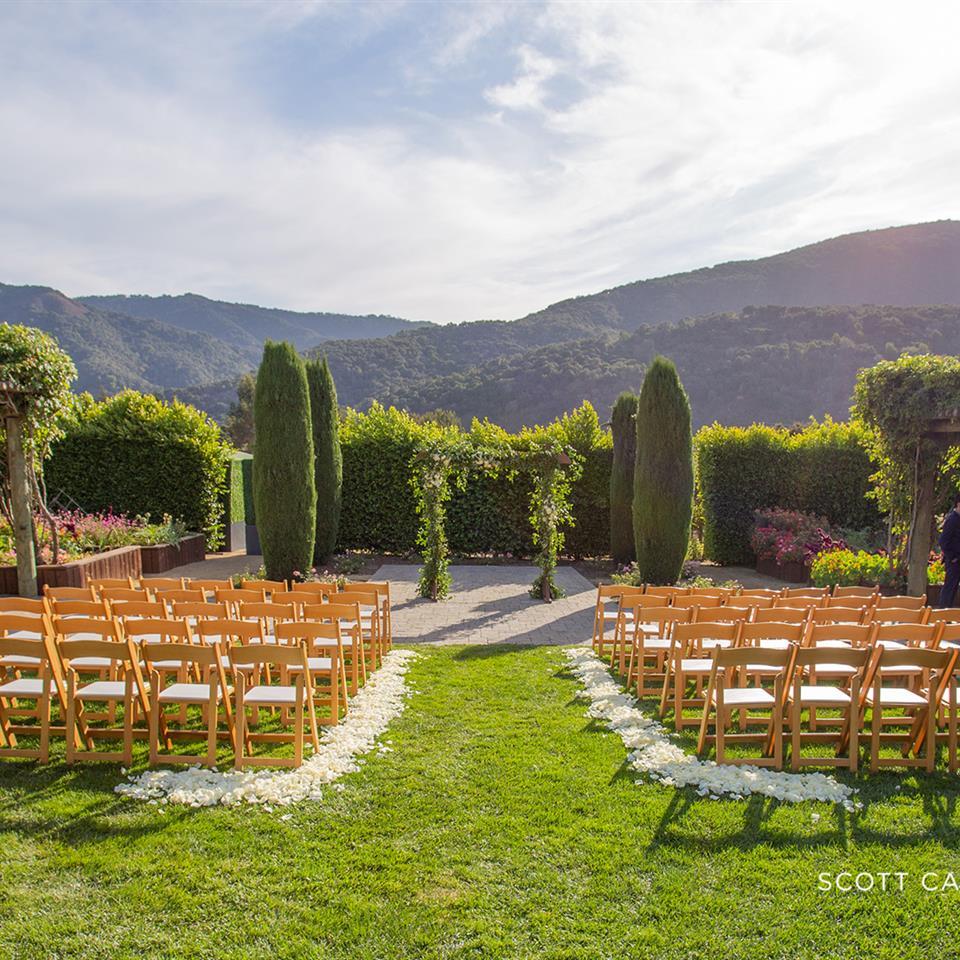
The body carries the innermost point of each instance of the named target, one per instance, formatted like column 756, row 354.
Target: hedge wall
column 139, row 456
column 823, row 469
column 490, row 515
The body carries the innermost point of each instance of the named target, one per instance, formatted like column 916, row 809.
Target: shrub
column 823, row 469
column 328, row 472
column 663, row 476
column 624, row 430
column 136, row 455
column 847, row 568
column 283, row 467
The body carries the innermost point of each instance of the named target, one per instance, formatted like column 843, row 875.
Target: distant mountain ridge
column 196, row 348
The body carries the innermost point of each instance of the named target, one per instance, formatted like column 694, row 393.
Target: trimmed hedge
column 140, row 456
column 491, row 515
column 623, row 427
column 823, row 469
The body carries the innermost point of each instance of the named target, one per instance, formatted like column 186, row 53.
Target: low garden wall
column 122, row 562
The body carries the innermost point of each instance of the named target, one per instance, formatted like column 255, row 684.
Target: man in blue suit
column 950, row 545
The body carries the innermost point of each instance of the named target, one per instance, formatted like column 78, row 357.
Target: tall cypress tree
column 284, row 494
column 663, row 475
column 624, row 428
column 328, row 469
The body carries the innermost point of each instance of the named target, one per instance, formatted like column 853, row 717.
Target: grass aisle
column 503, row 824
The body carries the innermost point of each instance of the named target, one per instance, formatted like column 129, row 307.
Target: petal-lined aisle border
column 378, row 703
column 656, row 756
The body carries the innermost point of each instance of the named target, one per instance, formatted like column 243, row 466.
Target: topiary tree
column 284, row 489
column 328, row 462
column 624, row 429
column 663, row 475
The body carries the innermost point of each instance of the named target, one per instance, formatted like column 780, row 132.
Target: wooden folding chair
column 943, row 615
column 16, row 688
column 196, row 610
column 25, row 606
column 175, row 595
column 813, row 664
column 210, row 693
column 667, row 594
column 723, row 594
column 322, row 590
column 649, row 646
column 136, row 609
column 328, row 679
column 842, row 634
column 87, row 609
column 269, row 614
column 725, row 614
column 757, row 593
column 255, row 659
column 382, row 589
column 691, row 661
column 629, row 607
column 129, row 690
column 816, row 595
column 607, row 610
column 289, row 598
column 108, row 583
column 783, row 615
column 866, row 594
column 916, row 615
column 691, row 600
column 727, row 691
column 125, row 593
column 917, row 709
column 351, row 632
column 370, row 622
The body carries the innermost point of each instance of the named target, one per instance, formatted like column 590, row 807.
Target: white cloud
column 629, row 140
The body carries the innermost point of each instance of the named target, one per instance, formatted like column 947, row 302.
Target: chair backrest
column 195, row 610
column 759, row 592
column 664, row 617
column 289, row 598
column 758, row 603
column 867, row 593
column 837, row 614
column 912, row 634
column 177, row 595
column 635, row 603
column 292, row 654
column 902, row 602
column 71, row 649
column 944, row 615
column 315, row 587
column 855, row 656
column 856, row 634
column 209, row 587
column 381, row 586
column 722, row 592
column 796, row 603
column 69, row 593
column 815, row 593
column 949, row 634
column 265, row 586
column 268, row 614
column 25, row 606
column 316, row 635
column 236, row 595
column 613, row 591
column 125, row 593
column 754, row 634
column 200, row 654
column 366, row 598
column 25, row 647
column 123, row 609
column 695, row 600
column 725, row 614
column 165, row 631
column 78, row 627
column 25, row 625
column 230, row 631
column 162, row 584
column 90, row 609
column 886, row 660
column 898, row 614
column 329, row 612
column 729, row 662
column 109, row 583
column 668, row 592
column 690, row 637
column 782, row 615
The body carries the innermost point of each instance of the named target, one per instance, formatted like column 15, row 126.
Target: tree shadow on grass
column 485, row 651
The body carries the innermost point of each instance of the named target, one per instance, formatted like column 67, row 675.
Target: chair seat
column 102, row 690
column 187, row 693
column 15, row 660
column 746, row 697
column 764, row 669
column 279, row 696
column 895, row 644
column 831, row 670
column 314, row 663
column 774, row 644
column 896, row 697
column 832, row 645
column 828, row 696
column 697, row 665
column 91, row 663
column 166, row 664
column 243, row 667
column 655, row 644
column 25, row 687
column 614, row 614
column 713, row 643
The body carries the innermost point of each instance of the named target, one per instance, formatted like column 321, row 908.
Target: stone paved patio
column 490, row 604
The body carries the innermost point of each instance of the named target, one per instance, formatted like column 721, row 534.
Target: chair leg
column 212, row 717
column 239, row 721
column 71, row 718
column 875, row 736
column 931, row 732
column 795, row 734
column 153, row 731
column 298, row 731
column 45, row 721
column 128, row 722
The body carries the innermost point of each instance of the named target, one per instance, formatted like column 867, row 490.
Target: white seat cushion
column 243, row 668
column 896, row 697
column 15, row 660
column 655, row 643
column 25, row 687
column 832, row 670
column 91, row 663
column 318, row 664
column 826, row 695
column 774, row 644
column 271, row 696
column 746, row 697
column 101, row 690
column 613, row 614
column 696, row 665
column 187, row 693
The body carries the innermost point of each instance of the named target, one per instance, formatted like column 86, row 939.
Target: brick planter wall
column 164, row 556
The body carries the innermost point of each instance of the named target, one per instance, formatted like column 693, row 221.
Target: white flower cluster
column 379, row 702
column 657, row 757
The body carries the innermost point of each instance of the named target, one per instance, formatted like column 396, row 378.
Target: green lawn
column 504, row 824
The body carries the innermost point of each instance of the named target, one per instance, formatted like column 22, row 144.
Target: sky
column 458, row 161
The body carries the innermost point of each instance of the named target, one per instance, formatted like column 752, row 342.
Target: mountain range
column 740, row 359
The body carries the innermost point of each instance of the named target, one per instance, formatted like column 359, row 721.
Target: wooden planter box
column 768, row 567
column 122, row 562
column 164, row 556
column 792, row 572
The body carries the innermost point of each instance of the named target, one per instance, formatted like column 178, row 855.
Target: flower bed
column 787, row 541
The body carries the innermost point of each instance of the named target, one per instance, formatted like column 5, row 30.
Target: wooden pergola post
column 944, row 432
